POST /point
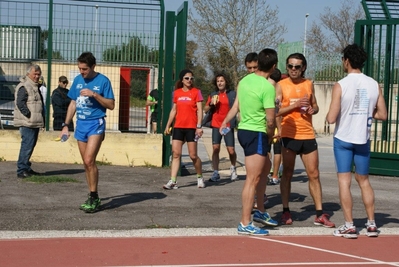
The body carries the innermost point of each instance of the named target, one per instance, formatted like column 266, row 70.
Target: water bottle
column 64, row 137
column 225, row 130
column 196, row 137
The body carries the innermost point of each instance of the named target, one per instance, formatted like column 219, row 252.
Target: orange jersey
column 186, row 107
column 295, row 124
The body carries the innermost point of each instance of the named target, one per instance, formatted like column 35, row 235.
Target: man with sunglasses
column 60, row 102
column 298, row 105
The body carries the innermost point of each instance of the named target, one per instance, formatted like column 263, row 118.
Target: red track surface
column 201, row 251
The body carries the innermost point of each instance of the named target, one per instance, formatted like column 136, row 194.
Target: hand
column 215, row 99
column 224, row 125
column 64, row 131
column 199, row 132
column 168, row 130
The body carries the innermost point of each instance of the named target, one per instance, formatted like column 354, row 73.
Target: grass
column 135, row 102
column 38, row 179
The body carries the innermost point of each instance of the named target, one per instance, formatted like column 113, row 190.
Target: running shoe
column 286, row 218
column 251, row 229
column 200, row 182
column 215, row 177
column 91, row 205
column 372, row 230
column 346, row 232
column 324, row 221
column 264, row 218
column 170, row 185
column 233, row 174
column 274, row 181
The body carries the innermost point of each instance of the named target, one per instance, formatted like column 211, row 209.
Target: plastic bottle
column 196, row 138
column 64, row 137
column 225, row 130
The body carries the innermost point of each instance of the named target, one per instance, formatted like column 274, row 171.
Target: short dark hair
column 63, row 79
column 224, row 75
column 253, row 56
column 356, row 55
column 276, row 75
column 87, row 58
column 267, row 58
column 300, row 57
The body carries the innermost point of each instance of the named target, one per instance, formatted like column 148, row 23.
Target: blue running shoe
column 251, row 229
column 264, row 218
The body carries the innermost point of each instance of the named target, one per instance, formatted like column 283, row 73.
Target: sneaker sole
column 214, row 181
column 287, row 223
column 265, row 222
column 167, row 188
column 372, row 234
column 321, row 224
column 248, row 233
column 347, row 236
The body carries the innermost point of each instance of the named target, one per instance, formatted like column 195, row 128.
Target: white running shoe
column 170, row 185
column 200, row 182
column 233, row 172
column 215, row 177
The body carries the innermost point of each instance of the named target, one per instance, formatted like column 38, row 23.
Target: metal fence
column 124, row 35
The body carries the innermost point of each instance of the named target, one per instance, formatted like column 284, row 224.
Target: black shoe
column 32, row 172
column 24, row 174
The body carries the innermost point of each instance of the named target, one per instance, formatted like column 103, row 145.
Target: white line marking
column 264, row 264
column 327, row 251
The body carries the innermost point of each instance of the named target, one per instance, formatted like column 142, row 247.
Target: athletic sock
column 199, row 175
column 370, row 222
column 319, row 213
column 94, row 195
column 173, row 179
column 286, row 209
column 349, row 224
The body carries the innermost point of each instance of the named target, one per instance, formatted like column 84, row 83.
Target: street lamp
column 253, row 29
column 304, row 39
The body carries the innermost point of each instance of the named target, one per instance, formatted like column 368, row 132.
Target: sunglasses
column 297, row 67
column 65, row 82
column 188, row 78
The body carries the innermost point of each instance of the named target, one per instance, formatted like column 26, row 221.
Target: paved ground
column 134, row 202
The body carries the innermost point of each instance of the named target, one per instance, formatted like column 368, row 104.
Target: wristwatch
column 64, row 124
column 199, row 126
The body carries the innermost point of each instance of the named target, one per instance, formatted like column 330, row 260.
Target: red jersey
column 186, row 107
column 221, row 110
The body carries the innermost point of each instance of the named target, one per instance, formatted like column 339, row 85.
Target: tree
column 43, row 47
column 192, row 63
column 225, row 27
column 133, row 51
column 339, row 28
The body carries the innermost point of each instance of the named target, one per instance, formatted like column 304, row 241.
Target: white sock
column 370, row 222
column 349, row 224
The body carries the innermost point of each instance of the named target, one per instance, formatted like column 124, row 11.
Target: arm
column 270, row 123
column 207, row 105
column 288, row 109
column 199, row 131
column 105, row 102
column 22, row 98
column 150, row 101
column 172, row 115
column 335, row 105
column 313, row 108
column 232, row 112
column 70, row 113
column 380, row 111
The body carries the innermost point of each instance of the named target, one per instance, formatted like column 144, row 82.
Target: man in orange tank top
column 298, row 105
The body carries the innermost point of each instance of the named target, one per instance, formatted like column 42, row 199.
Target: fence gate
column 379, row 35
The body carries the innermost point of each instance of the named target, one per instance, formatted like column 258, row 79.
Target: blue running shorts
column 347, row 153
column 86, row 128
column 253, row 142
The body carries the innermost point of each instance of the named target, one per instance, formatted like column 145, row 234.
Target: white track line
column 373, row 261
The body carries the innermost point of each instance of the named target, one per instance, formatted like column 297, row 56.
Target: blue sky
column 292, row 13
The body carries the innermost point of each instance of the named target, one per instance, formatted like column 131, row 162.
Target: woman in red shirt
column 187, row 114
column 219, row 102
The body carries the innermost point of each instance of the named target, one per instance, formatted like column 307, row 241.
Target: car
column 8, row 83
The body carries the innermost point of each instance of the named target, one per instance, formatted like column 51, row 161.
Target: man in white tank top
column 356, row 100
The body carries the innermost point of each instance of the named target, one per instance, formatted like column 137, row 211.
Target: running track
column 201, row 251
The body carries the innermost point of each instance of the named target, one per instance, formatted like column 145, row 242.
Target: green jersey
column 255, row 94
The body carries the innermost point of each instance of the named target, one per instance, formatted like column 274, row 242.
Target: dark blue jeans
column 29, row 139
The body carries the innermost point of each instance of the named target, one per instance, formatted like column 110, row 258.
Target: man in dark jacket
column 29, row 117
